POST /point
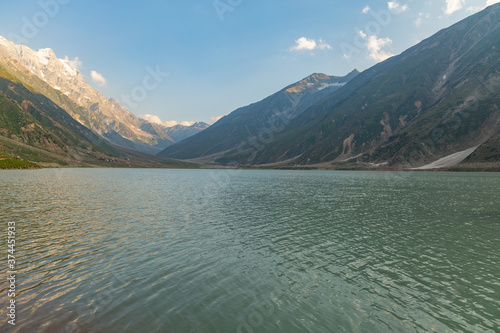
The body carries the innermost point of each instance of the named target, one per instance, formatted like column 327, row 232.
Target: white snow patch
column 44, row 56
column 3, row 41
column 379, row 164
column 448, row 161
column 69, row 70
column 42, row 75
column 57, row 88
column 327, row 85
column 351, row 158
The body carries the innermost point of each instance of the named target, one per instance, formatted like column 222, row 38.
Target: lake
column 132, row 250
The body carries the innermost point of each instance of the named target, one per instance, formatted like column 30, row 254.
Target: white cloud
column 475, row 9
column 216, row 119
column 375, row 47
column 98, row 78
column 421, row 17
column 304, row 43
column 396, row 7
column 322, row 45
column 152, row 119
column 453, row 6
column 173, row 123
column 156, row 120
column 367, row 9
column 74, row 63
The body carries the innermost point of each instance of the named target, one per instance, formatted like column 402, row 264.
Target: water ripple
column 265, row 251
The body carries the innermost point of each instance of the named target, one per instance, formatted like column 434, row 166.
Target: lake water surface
column 128, row 250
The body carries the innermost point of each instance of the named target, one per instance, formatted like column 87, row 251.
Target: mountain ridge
column 36, row 131
column 434, row 99
column 181, row 132
column 104, row 116
column 245, row 123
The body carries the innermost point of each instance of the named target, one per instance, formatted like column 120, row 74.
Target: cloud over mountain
column 304, row 43
column 98, row 78
column 156, row 120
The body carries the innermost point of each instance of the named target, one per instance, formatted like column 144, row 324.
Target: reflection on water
column 108, row 250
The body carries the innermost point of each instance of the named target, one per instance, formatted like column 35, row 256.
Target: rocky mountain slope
column 35, row 129
column 104, row 116
column 181, row 132
column 32, row 126
column 244, row 126
column 436, row 99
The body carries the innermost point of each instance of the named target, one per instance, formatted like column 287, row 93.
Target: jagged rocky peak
column 43, row 63
column 320, row 81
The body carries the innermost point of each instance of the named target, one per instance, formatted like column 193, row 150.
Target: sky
column 179, row 61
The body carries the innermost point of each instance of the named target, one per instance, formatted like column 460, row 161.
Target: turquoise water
column 117, row 250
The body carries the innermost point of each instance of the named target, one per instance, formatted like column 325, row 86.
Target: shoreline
column 468, row 168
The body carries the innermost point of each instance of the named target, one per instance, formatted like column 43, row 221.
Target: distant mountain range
column 434, row 105
column 181, row 132
column 438, row 98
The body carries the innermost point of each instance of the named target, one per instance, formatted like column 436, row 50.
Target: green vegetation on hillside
column 13, row 162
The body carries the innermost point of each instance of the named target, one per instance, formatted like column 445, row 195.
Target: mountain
column 247, row 123
column 437, row 99
column 104, row 116
column 181, row 132
column 33, row 128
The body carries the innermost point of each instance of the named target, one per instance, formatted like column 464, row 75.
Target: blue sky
column 221, row 54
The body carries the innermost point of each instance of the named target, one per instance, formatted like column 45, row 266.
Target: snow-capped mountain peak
column 44, row 55
column 63, row 75
column 41, row 63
